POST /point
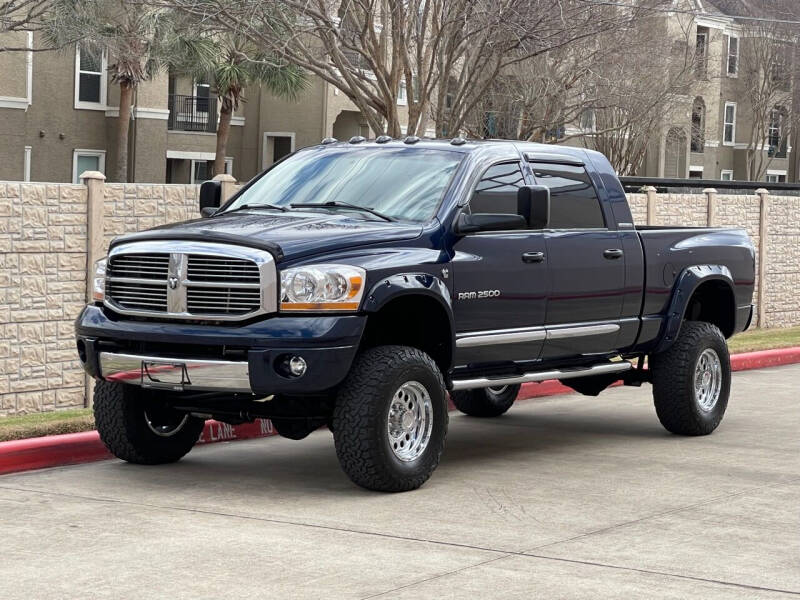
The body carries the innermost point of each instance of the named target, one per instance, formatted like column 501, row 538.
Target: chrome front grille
column 190, row 280
column 138, row 296
column 222, row 269
column 140, row 266
column 222, row 301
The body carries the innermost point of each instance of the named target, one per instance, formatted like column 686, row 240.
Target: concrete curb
column 75, row 448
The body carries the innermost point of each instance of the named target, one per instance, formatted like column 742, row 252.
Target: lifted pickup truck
column 355, row 284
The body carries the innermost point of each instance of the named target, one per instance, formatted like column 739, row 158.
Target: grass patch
column 764, row 339
column 70, row 421
column 50, row 423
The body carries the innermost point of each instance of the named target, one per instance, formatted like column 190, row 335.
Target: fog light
column 297, row 366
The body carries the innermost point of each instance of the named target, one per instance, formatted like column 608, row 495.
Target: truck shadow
column 278, row 466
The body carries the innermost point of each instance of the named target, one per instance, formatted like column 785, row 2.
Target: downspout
column 326, row 90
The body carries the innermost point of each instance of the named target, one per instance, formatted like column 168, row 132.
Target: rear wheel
column 139, row 427
column 390, row 419
column 692, row 380
column 485, row 402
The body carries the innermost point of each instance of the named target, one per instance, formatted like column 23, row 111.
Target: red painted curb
column 765, row 358
column 74, row 448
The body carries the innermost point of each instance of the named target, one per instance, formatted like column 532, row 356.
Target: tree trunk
column 223, row 130
column 123, row 128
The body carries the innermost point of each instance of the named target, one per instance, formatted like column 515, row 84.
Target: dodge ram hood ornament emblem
column 172, row 282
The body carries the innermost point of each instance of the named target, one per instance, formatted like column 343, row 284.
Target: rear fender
column 686, row 284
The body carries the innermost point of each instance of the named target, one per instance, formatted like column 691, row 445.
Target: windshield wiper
column 338, row 204
column 256, row 207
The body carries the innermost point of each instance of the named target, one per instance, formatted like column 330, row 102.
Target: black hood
column 286, row 235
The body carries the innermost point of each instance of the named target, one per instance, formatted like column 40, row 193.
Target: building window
column 698, row 125
column 729, row 127
column 402, row 97
column 588, row 120
column 489, row 124
column 202, row 94
column 695, row 172
column 87, row 160
column 726, row 175
column 201, row 170
column 776, row 176
column 780, row 71
column 733, row 56
column 90, row 77
column 775, row 138
column 276, row 145
column 701, row 52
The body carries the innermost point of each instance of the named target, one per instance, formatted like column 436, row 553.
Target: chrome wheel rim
column 168, row 429
column 497, row 391
column 410, row 421
column 707, row 380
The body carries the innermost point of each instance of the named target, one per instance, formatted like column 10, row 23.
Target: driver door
column 500, row 279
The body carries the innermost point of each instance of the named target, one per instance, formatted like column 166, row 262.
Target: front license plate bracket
column 164, row 375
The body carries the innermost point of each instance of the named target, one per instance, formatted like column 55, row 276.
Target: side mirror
column 533, row 203
column 489, row 222
column 208, row 211
column 210, row 197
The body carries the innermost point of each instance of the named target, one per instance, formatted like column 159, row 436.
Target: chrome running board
column 484, row 382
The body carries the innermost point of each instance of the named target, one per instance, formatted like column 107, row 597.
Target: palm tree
column 137, row 40
column 233, row 64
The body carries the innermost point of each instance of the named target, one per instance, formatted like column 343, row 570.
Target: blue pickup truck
column 355, row 285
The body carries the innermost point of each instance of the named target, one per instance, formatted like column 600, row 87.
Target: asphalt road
column 565, row 497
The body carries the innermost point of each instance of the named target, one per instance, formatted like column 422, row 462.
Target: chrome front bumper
column 176, row 374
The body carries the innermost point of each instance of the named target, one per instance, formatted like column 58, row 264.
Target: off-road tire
column 361, row 412
column 484, row 402
column 119, row 414
column 673, row 373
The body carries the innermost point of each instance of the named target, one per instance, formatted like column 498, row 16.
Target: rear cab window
column 574, row 203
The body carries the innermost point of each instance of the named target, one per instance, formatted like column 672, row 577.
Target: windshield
column 401, row 183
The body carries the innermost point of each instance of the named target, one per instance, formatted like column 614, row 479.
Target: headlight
column 322, row 287
column 99, row 280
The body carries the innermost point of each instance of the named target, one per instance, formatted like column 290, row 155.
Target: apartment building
column 710, row 134
column 58, row 115
column 59, row 111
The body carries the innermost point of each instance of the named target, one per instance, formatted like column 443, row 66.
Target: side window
column 496, row 192
column 573, row 201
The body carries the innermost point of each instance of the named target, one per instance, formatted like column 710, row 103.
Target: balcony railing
column 192, row 113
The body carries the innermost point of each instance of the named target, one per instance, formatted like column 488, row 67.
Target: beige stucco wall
column 12, row 64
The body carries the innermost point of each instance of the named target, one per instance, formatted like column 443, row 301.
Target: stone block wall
column 129, row 208
column 782, row 281
column 43, row 253
column 638, row 204
column 45, row 247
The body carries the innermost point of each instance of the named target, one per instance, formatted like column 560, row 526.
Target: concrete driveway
column 568, row 497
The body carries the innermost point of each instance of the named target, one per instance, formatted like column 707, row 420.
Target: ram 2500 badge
column 355, row 285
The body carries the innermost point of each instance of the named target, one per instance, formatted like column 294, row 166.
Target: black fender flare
column 686, row 284
column 412, row 284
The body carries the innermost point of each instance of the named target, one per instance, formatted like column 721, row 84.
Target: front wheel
column 138, row 427
column 390, row 419
column 692, row 380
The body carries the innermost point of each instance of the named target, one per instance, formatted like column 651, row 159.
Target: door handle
column 613, row 253
column 533, row 257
